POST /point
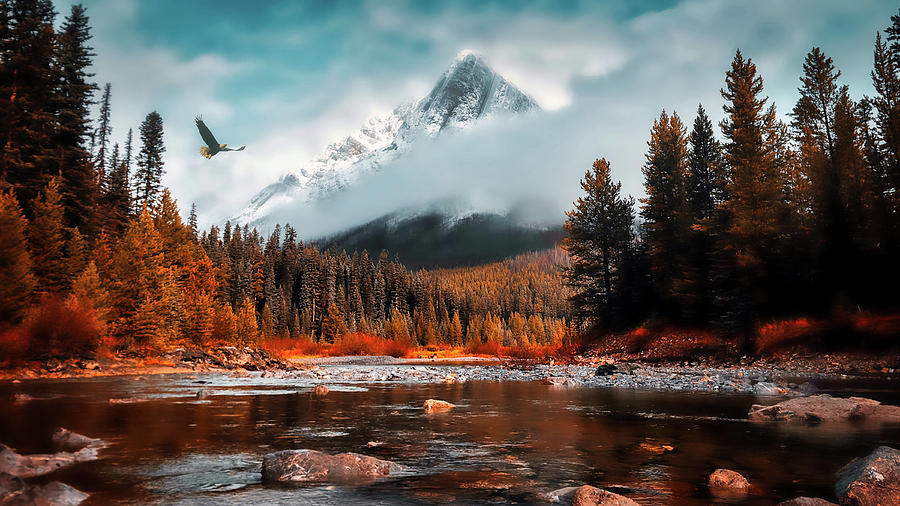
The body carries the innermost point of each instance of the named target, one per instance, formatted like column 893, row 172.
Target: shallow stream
column 506, row 442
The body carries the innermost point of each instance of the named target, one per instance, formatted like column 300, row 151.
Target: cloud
column 287, row 79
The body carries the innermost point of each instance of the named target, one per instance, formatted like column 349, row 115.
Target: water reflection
column 505, row 442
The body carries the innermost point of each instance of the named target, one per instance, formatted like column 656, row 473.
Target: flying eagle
column 212, row 145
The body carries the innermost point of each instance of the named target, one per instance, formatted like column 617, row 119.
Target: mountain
column 467, row 92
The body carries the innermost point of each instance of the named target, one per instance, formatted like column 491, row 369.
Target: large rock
column 825, row 408
column 806, row 501
column 313, row 466
column 874, row 479
column 587, row 495
column 26, row 466
column 434, row 405
column 726, row 483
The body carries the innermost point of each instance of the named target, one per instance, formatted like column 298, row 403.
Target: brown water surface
column 506, row 442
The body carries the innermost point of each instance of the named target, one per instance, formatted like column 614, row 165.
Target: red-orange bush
column 781, row 333
column 55, row 327
column 289, row 347
column 365, row 344
column 491, row 348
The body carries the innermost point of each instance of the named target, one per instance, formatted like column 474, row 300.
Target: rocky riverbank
column 785, row 377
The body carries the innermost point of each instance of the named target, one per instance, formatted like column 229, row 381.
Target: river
column 506, row 442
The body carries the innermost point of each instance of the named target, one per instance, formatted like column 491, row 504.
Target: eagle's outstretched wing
column 208, row 137
column 233, row 149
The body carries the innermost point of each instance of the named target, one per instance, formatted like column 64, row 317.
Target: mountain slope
column 468, row 91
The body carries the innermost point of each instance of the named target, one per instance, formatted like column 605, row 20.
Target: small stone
column 320, row 391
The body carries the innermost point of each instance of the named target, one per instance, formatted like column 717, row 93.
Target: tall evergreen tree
column 705, row 181
column 665, row 211
column 73, row 100
column 754, row 189
column 47, row 241
column 16, row 277
column 150, row 162
column 27, row 157
column 598, row 231
column 102, row 135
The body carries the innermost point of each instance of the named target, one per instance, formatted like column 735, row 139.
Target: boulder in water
column 726, row 483
column 435, row 405
column 587, row 495
column 320, row 391
column 874, row 479
column 300, row 466
column 66, row 440
column 825, row 408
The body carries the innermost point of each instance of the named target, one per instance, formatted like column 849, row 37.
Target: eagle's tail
column 205, row 152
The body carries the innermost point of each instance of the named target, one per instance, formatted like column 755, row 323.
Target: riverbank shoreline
column 786, row 375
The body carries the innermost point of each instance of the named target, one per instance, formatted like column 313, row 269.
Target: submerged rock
column 14, row 491
column 767, row 388
column 320, row 391
column 66, row 440
column 825, row 408
column 874, row 479
column 726, row 483
column 433, row 405
column 587, row 495
column 806, row 501
column 313, row 466
column 127, row 400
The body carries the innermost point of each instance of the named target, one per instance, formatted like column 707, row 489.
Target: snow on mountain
column 467, row 91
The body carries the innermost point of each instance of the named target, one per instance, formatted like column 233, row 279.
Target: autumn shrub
column 396, row 348
column 288, row 347
column 533, row 352
column 490, row 348
column 57, row 327
column 782, row 333
column 367, row 344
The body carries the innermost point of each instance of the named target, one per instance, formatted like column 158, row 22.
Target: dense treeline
column 93, row 248
column 774, row 219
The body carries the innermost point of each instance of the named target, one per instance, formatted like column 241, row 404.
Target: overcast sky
column 287, row 77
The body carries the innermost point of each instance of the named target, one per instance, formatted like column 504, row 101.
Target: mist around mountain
column 340, row 200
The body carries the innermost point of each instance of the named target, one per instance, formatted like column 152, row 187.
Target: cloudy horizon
column 287, row 79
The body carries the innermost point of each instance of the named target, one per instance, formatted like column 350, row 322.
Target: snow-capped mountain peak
column 466, row 92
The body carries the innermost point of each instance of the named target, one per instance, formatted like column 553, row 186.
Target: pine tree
column 87, row 286
column 705, row 180
column 266, row 323
column 666, row 213
column 754, row 191
column 104, row 131
column 597, row 234
column 73, row 99
column 28, row 123
column 150, row 162
column 16, row 277
column 455, row 331
column 128, row 152
column 192, row 220
column 47, row 241
column 116, row 199
column 333, row 325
